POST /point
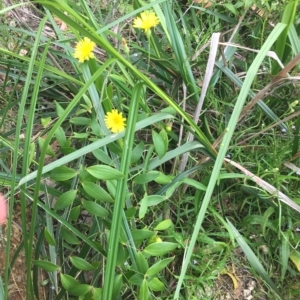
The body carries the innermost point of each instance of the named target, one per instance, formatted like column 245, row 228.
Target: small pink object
column 3, row 209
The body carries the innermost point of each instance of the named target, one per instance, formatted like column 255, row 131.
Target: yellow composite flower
column 146, row 21
column 84, row 50
column 114, row 121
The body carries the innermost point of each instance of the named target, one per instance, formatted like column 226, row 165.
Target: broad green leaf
column 159, row 144
column 155, row 199
column 62, row 173
column 140, row 235
column 144, row 292
column 164, row 136
column 117, row 286
column 97, row 293
column 68, row 281
column 136, row 279
column 104, row 172
column 61, row 137
column 137, row 152
column 164, row 225
column 163, row 179
column 94, row 208
column 74, row 213
column 194, row 183
column 122, row 255
column 49, row 150
column 97, row 192
column 295, row 258
column 69, row 237
column 143, row 206
column 102, row 156
column 156, row 285
column 265, row 219
column 46, row 265
column 157, row 249
column 157, row 267
column 80, row 121
column 147, row 177
column 80, row 289
column 48, row 237
column 65, row 200
column 141, row 263
column 81, row 264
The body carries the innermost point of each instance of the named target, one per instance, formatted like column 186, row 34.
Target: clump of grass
column 148, row 154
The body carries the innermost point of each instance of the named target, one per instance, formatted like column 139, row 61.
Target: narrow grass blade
column 224, row 147
column 252, row 258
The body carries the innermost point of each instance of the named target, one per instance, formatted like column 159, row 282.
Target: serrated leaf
column 62, row 173
column 104, row 172
column 94, row 208
column 65, row 200
column 156, row 285
column 158, row 249
column 81, row 264
column 46, row 265
column 49, row 238
column 157, row 267
column 164, row 225
column 97, row 192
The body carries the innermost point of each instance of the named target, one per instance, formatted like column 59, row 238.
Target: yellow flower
column 84, row 50
column 147, row 20
column 114, row 121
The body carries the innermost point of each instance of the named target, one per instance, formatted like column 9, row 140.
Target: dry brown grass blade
column 266, row 186
column 276, row 80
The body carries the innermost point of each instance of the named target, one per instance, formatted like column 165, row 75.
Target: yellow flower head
column 147, row 20
column 114, row 121
column 84, row 50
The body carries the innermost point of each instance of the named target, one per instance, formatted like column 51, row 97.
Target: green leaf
column 136, row 279
column 156, row 285
column 144, row 292
column 81, row 264
column 46, row 265
column 60, row 136
column 65, row 200
column 74, row 213
column 140, row 235
column 62, row 173
column 104, row 172
column 102, row 156
column 159, row 144
column 155, row 199
column 80, row 121
column 94, row 208
column 49, row 150
column 69, row 237
column 161, row 248
column 137, row 152
column 143, row 207
column 157, row 267
column 163, row 179
column 68, row 281
column 49, row 238
column 141, row 263
column 95, row 191
column 80, row 289
column 117, row 286
column 295, row 258
column 147, row 177
column 164, row 225
column 194, row 183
